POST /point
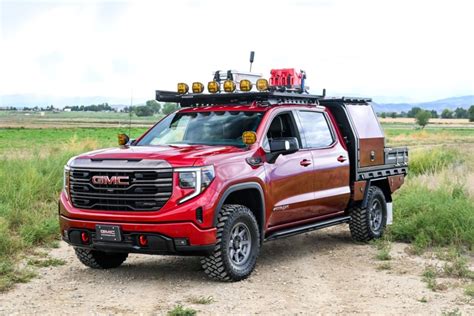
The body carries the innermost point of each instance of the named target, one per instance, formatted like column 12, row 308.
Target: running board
column 307, row 228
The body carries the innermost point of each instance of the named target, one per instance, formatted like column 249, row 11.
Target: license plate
column 108, row 233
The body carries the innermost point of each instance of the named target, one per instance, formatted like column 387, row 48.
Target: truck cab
column 230, row 170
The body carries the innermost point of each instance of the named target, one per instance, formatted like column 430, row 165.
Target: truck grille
column 143, row 190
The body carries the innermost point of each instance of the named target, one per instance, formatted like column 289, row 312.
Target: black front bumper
column 157, row 244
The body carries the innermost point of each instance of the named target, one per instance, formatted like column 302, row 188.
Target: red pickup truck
column 230, row 170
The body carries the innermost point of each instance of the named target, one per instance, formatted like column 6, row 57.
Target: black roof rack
column 272, row 97
column 346, row 100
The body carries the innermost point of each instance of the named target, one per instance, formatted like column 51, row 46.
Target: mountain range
column 438, row 105
column 380, row 103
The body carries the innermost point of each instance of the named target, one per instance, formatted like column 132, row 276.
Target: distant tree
column 447, row 113
column 460, row 113
column 143, row 110
column 414, row 110
column 403, row 114
column 383, row 115
column 422, row 118
column 154, row 105
column 169, row 108
column 471, row 113
column 434, row 114
column 393, row 115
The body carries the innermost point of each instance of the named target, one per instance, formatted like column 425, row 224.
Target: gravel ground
column 320, row 272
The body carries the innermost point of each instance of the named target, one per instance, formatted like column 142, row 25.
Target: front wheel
column 99, row 259
column 369, row 223
column 237, row 247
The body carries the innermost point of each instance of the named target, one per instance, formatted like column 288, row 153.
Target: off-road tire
column 360, row 224
column 100, row 260
column 218, row 265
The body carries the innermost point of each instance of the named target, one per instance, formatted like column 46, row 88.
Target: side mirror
column 282, row 146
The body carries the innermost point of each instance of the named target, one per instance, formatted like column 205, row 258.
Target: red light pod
column 143, row 240
column 85, row 238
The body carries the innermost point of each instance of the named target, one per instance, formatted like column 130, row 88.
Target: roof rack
column 272, row 97
column 347, row 100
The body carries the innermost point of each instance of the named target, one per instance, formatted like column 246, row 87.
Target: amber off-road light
column 262, row 85
column 213, row 87
column 229, row 86
column 198, row 87
column 183, row 88
column 249, row 137
column 245, row 85
column 123, row 139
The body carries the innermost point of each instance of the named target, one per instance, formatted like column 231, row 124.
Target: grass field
column 434, row 208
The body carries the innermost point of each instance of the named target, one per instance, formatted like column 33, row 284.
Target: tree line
column 150, row 108
column 459, row 113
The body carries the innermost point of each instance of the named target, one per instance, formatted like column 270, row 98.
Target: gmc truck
column 252, row 160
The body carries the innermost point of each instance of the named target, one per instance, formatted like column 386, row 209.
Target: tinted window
column 281, row 126
column 315, row 129
column 207, row 128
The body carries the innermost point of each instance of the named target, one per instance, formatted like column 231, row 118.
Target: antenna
column 130, row 115
column 252, row 56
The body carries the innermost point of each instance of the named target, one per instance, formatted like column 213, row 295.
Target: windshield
column 206, row 128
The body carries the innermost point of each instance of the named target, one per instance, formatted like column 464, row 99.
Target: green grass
column 440, row 216
column 434, row 160
column 55, row 138
column 179, row 310
column 469, row 290
column 48, row 262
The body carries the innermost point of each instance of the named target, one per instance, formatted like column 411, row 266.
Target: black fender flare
column 239, row 187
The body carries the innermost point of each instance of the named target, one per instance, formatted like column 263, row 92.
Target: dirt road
column 320, row 272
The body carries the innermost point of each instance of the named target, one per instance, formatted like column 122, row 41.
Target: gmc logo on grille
column 118, row 180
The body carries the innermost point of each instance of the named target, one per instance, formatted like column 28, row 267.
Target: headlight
column 197, row 178
column 187, row 180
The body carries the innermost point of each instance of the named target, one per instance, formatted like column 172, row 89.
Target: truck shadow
column 274, row 254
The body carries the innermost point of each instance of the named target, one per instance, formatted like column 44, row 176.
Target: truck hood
column 176, row 155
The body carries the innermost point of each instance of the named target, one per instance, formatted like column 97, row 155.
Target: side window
column 282, row 126
column 315, row 129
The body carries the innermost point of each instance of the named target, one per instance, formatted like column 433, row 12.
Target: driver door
column 290, row 177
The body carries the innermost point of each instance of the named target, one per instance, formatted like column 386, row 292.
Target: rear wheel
column 99, row 259
column 369, row 223
column 237, row 247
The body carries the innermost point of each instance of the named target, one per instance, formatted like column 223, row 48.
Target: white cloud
column 417, row 49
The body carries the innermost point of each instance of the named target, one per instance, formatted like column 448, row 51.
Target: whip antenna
column 252, row 56
column 130, row 115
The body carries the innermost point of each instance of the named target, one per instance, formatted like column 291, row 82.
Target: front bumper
column 181, row 238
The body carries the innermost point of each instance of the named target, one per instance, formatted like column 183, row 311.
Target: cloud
column 417, row 49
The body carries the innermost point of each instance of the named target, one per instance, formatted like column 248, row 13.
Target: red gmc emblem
column 118, row 180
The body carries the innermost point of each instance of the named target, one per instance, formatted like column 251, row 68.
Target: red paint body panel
column 294, row 193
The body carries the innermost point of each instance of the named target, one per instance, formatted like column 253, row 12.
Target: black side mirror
column 282, row 146
column 131, row 142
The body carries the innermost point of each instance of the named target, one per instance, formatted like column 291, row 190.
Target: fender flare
column 239, row 187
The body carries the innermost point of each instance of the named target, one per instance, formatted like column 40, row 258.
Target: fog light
column 181, row 242
column 85, row 238
column 143, row 240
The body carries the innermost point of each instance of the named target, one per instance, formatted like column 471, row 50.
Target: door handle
column 305, row 162
column 341, row 158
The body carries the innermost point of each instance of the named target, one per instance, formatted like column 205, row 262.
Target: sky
column 392, row 50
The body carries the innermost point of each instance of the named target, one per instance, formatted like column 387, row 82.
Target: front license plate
column 108, row 233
